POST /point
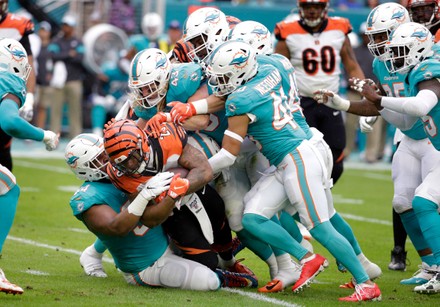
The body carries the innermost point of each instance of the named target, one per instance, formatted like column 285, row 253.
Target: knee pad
column 7, row 180
column 402, row 203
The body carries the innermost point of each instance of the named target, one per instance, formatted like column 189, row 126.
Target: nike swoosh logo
column 336, row 113
column 177, row 187
column 271, row 286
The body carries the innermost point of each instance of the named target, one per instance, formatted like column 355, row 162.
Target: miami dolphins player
column 415, row 156
column 14, row 71
column 257, row 106
column 132, row 230
column 410, row 53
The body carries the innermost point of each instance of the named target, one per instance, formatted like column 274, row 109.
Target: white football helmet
column 206, row 28
column 409, row 44
column 148, row 78
column 232, row 64
column 13, row 58
column 152, row 25
column 255, row 34
column 383, row 19
column 86, row 157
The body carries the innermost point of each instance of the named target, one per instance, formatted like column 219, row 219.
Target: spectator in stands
column 174, row 34
column 44, row 75
column 67, row 53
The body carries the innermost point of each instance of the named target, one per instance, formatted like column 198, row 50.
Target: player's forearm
column 156, row 214
column 362, row 108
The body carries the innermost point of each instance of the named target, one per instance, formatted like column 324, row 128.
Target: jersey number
column 311, row 64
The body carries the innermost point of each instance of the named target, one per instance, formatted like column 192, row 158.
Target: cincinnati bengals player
column 135, row 158
column 316, row 45
column 18, row 28
column 427, row 13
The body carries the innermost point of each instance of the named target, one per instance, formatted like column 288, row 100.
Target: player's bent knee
column 401, row 204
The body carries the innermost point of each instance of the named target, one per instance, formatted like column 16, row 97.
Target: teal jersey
column 394, row 86
column 117, row 81
column 290, row 87
column 427, row 70
column 137, row 250
column 185, row 80
column 272, row 126
column 12, row 84
column 139, row 42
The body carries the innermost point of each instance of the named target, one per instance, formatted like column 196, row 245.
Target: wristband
column 201, row 106
column 138, row 205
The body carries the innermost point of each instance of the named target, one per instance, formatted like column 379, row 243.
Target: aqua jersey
column 137, row 250
column 427, row 70
column 287, row 72
column 117, row 83
column 12, row 84
column 271, row 127
column 394, row 86
column 185, row 80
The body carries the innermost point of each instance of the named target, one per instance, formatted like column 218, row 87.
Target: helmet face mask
column 13, row 58
column 231, row 65
column 150, row 72
column 86, row 157
column 409, row 45
column 127, row 147
column 206, row 28
column 313, row 12
column 425, row 12
column 381, row 21
column 255, row 34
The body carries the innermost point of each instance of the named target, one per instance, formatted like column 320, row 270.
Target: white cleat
column 431, row 287
column 91, row 262
column 7, row 287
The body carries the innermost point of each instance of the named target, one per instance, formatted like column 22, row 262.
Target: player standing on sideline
column 18, row 28
column 427, row 13
column 316, row 45
column 14, row 71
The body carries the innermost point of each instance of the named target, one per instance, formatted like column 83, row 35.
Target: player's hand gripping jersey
column 316, row 57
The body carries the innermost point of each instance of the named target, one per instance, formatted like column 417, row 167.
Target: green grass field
column 42, row 252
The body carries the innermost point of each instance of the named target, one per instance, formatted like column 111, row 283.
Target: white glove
column 156, row 185
column 51, row 140
column 27, row 110
column 366, row 123
column 331, row 100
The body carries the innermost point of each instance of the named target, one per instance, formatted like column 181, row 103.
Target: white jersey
column 316, row 57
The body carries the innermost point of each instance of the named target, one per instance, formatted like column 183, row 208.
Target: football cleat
column 341, row 267
column 431, row 287
column 310, row 269
column 8, row 287
column 238, row 267
column 272, row 286
column 236, row 280
column 364, row 292
column 398, row 259
column 91, row 262
column 422, row 276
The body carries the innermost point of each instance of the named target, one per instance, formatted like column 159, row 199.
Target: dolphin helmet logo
column 240, row 60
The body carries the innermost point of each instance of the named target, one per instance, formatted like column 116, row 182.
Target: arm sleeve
column 400, row 120
column 221, row 160
column 419, row 105
column 16, row 126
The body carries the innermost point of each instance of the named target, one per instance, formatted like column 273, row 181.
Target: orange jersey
column 437, row 36
column 14, row 26
column 165, row 151
column 316, row 57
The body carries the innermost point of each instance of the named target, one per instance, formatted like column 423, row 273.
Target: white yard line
column 251, row 295
column 365, row 219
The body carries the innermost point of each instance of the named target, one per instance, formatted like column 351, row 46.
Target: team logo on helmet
column 212, row 17
column 161, row 62
column 399, row 15
column 16, row 53
column 260, row 32
column 72, row 159
column 421, row 34
column 240, row 60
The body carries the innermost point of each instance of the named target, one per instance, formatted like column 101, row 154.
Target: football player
column 317, row 45
column 14, row 72
column 132, row 230
column 415, row 156
column 298, row 173
column 198, row 227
